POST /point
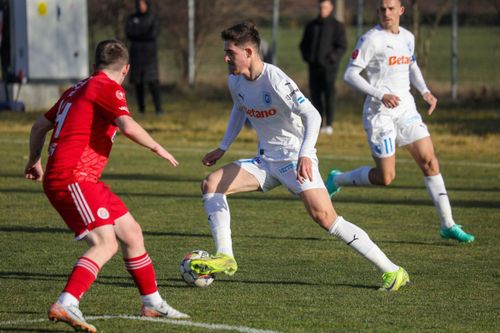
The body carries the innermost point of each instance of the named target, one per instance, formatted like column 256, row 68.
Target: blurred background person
column 142, row 29
column 323, row 44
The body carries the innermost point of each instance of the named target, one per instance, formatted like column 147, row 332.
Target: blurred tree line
column 213, row 15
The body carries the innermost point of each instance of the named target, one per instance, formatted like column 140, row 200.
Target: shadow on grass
column 487, row 204
column 24, row 329
column 127, row 282
column 51, row 230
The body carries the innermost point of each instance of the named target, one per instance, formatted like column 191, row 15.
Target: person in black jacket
column 323, row 44
column 142, row 29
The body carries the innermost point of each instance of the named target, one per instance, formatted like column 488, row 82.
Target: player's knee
column 209, row 184
column 430, row 167
column 323, row 217
column 385, row 178
column 108, row 248
column 388, row 178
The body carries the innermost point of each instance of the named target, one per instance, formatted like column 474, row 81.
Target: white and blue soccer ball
column 191, row 277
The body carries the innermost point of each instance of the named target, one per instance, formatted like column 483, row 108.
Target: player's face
column 389, row 12
column 325, row 8
column 143, row 6
column 236, row 57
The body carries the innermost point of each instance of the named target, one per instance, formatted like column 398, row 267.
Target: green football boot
column 219, row 263
column 330, row 183
column 457, row 233
column 395, row 280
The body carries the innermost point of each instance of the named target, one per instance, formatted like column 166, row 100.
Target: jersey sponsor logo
column 290, row 95
column 78, row 86
column 120, row 95
column 403, row 60
column 103, row 213
column 287, row 168
column 301, row 99
column 52, row 148
column 124, row 108
column 267, row 98
column 260, row 114
column 355, row 54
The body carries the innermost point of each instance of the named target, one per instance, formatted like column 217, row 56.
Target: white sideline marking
column 247, row 153
column 242, row 329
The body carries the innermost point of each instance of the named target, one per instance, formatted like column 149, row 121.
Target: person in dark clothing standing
column 142, row 29
column 323, row 44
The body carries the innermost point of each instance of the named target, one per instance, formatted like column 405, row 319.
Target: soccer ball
column 191, row 277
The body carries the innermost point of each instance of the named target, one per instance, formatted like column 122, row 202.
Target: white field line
column 242, row 329
column 249, row 153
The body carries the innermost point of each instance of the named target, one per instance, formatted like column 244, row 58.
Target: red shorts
column 85, row 206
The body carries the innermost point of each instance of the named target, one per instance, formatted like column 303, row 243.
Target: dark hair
column 110, row 54
column 242, row 33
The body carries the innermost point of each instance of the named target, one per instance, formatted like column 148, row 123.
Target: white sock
column 356, row 177
column 67, row 299
column 359, row 240
column 219, row 219
column 152, row 299
column 437, row 192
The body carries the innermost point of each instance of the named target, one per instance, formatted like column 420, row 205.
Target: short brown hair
column 242, row 33
column 110, row 54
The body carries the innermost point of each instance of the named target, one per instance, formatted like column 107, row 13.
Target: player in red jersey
column 84, row 123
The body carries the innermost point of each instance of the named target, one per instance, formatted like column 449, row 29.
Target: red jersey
column 84, row 130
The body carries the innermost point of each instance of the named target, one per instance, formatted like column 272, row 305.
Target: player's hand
column 304, row 169
column 390, row 101
column 34, row 171
column 212, row 157
column 431, row 100
column 160, row 151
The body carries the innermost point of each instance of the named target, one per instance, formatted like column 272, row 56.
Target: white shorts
column 272, row 174
column 387, row 127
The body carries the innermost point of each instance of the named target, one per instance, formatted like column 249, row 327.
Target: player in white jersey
column 287, row 126
column 390, row 117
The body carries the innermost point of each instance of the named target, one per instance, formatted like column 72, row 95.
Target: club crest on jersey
column 120, row 95
column 267, row 98
column 103, row 213
column 355, row 54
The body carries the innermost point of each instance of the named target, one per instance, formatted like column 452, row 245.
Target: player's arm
column 417, row 80
column 39, row 130
column 132, row 130
column 292, row 97
column 234, row 126
column 311, row 120
column 353, row 77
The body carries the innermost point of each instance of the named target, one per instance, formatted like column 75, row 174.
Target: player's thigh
column 319, row 206
column 127, row 230
column 286, row 173
column 381, row 134
column 422, row 152
column 231, row 178
column 101, row 237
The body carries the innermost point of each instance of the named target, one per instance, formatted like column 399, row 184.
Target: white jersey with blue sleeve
column 286, row 123
column 389, row 62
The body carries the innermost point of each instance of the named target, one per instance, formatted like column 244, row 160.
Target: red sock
column 143, row 273
column 81, row 278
